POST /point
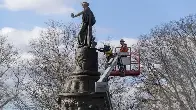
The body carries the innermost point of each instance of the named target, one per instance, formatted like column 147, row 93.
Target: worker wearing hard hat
column 124, row 47
column 107, row 51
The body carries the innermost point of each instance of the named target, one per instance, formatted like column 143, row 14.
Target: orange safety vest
column 124, row 49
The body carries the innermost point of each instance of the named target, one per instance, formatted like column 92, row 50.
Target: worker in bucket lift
column 107, row 51
column 123, row 48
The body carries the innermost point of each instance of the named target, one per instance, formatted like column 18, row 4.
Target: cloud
column 20, row 38
column 40, row 6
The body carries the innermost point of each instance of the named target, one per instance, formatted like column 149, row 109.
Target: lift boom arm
column 102, row 84
column 108, row 70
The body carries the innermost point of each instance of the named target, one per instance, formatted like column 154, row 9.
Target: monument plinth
column 79, row 90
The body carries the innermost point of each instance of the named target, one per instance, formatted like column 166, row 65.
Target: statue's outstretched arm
column 79, row 14
column 85, row 10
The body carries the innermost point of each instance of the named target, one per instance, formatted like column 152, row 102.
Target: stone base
column 80, row 84
column 79, row 90
column 86, row 101
column 86, row 60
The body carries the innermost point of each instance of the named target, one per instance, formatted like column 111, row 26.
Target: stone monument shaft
column 79, row 91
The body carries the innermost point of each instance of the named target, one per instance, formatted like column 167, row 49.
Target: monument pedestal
column 79, row 90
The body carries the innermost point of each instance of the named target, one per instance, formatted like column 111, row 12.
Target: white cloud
column 40, row 6
column 6, row 30
column 20, row 38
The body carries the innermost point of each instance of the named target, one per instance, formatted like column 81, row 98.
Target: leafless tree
column 53, row 59
column 168, row 55
column 9, row 79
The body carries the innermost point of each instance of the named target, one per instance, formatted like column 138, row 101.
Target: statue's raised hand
column 72, row 15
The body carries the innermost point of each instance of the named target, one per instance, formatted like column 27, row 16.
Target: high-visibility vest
column 108, row 53
column 124, row 49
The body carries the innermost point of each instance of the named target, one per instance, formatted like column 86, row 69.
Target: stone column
column 79, row 90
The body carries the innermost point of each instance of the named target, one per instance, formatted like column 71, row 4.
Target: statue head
column 85, row 4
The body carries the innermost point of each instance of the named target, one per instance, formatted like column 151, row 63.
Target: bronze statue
column 88, row 20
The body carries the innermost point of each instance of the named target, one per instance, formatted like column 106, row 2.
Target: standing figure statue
column 88, row 20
